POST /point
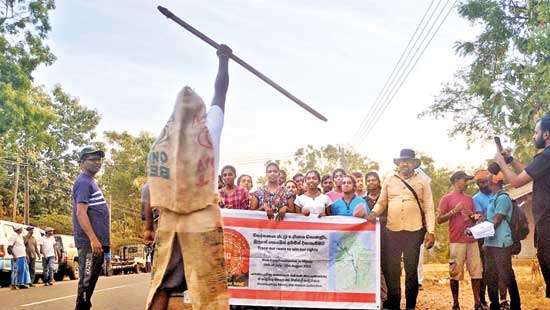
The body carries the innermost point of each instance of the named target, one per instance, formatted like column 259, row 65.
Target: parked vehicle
column 6, row 231
column 68, row 263
column 130, row 259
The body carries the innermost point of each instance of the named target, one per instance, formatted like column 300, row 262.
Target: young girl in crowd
column 245, row 181
column 231, row 195
column 273, row 198
column 350, row 204
column 336, row 192
column 312, row 201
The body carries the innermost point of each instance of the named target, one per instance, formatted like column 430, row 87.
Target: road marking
column 72, row 296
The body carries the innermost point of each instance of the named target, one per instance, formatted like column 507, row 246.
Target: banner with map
column 301, row 262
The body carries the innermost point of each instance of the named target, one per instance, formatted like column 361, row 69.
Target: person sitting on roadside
column 312, row 201
column 232, row 196
column 350, row 204
column 273, row 198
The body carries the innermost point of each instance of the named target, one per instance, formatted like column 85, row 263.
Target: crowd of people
column 26, row 251
column 402, row 203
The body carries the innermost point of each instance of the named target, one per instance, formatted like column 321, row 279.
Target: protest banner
column 301, row 262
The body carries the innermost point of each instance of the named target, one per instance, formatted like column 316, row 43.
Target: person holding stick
column 181, row 171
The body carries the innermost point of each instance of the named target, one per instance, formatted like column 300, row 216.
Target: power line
column 389, row 99
column 400, row 73
column 368, row 117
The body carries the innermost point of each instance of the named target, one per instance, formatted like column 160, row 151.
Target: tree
column 324, row 159
column 505, row 88
column 123, row 176
column 39, row 130
column 327, row 158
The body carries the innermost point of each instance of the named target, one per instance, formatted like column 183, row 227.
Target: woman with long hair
column 272, row 198
column 312, row 201
column 232, row 196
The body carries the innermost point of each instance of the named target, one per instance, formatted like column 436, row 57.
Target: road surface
column 117, row 292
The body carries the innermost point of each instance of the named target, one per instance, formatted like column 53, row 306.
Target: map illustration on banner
column 301, row 262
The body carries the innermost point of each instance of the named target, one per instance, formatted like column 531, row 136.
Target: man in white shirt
column 20, row 277
column 47, row 249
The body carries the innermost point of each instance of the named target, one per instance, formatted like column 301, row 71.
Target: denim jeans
column 47, row 265
column 90, row 266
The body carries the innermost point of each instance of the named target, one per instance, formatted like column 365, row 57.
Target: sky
column 128, row 62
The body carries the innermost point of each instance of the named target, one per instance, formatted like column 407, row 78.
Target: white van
column 6, row 231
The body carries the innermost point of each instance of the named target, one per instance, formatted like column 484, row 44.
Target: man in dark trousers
column 91, row 221
column 407, row 197
column 537, row 171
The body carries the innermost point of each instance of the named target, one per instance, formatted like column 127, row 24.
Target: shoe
column 51, row 283
column 23, row 287
column 14, row 287
column 504, row 305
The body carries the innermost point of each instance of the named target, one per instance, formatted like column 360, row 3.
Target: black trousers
column 483, row 286
column 90, row 266
column 397, row 243
column 32, row 263
column 542, row 242
column 498, row 267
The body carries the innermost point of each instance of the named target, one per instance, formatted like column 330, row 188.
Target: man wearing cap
column 33, row 253
column 458, row 209
column 538, row 171
column 20, row 277
column 47, row 248
column 498, row 260
column 91, row 221
column 407, row 196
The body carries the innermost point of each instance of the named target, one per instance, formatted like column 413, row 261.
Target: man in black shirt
column 537, row 171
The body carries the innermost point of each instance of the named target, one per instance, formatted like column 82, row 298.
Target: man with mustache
column 91, row 221
column 407, row 196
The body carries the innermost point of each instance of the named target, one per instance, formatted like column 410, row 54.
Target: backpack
column 519, row 225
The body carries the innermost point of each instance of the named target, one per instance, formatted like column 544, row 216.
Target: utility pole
column 15, row 188
column 343, row 161
column 27, row 200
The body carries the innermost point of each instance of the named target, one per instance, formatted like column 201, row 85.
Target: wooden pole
column 27, row 200
column 241, row 62
column 15, row 188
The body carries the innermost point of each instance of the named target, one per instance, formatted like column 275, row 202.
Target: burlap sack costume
column 181, row 174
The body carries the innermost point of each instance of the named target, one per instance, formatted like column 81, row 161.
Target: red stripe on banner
column 291, row 225
column 302, row 296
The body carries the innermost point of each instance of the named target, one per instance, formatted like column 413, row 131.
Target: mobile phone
column 499, row 144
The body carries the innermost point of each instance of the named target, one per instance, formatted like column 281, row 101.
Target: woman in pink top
column 337, row 177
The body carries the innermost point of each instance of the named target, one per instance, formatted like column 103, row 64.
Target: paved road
column 117, row 292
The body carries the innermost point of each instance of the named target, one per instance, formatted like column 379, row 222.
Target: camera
column 493, row 167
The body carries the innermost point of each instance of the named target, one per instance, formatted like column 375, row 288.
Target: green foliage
column 62, row 223
column 121, row 181
column 327, row 158
column 504, row 90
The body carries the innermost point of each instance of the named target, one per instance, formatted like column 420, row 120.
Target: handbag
column 424, row 229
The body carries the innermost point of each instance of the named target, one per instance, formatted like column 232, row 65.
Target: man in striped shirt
column 91, row 221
